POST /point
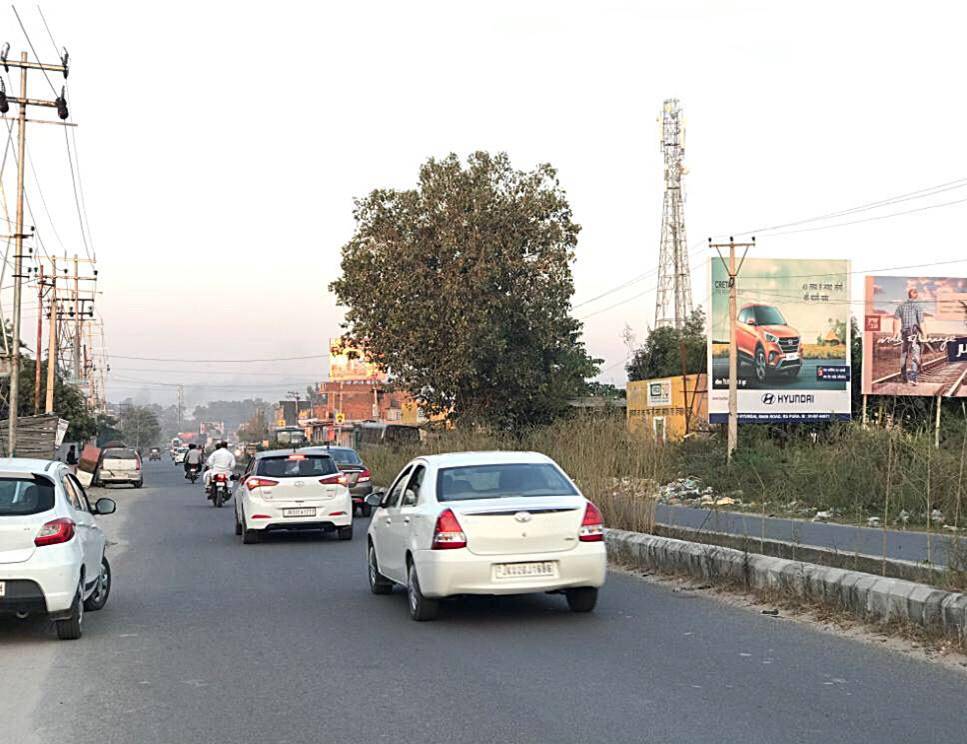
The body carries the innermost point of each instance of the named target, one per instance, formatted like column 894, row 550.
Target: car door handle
column 389, row 521
column 406, row 520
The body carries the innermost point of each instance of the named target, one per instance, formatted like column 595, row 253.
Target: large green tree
column 660, row 355
column 140, row 426
column 461, row 288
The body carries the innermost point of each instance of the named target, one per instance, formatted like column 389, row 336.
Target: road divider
column 865, row 595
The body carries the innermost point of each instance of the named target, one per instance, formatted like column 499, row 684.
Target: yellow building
column 659, row 405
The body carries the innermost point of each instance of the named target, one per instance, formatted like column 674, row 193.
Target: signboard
column 659, row 393
column 793, row 340
column 915, row 336
column 350, row 363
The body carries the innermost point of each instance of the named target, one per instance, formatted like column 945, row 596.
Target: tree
column 139, row 425
column 660, row 355
column 461, row 289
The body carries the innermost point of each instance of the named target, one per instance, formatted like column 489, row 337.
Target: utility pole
column 61, row 105
column 733, row 273
column 40, row 339
column 52, row 341
column 181, row 407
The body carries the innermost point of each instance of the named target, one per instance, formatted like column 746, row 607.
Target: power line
column 77, row 203
column 56, row 48
column 31, row 45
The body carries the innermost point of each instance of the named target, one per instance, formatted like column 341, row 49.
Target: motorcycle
column 218, row 489
column 193, row 472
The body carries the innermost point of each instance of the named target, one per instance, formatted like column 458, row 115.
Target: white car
column 290, row 490
column 51, row 549
column 120, row 465
column 485, row 523
column 178, row 455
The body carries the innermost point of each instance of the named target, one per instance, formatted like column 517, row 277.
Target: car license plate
column 3, row 588
column 792, row 357
column 300, row 512
column 525, row 570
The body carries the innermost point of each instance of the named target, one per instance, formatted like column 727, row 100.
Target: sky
column 221, row 146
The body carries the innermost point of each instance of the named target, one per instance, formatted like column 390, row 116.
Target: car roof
column 27, row 465
column 284, row 453
column 461, row 459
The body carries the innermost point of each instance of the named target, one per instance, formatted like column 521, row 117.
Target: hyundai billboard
column 793, row 340
column 915, row 336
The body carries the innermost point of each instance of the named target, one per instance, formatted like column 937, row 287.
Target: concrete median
column 868, row 596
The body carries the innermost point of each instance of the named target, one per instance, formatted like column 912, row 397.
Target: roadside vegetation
column 854, row 473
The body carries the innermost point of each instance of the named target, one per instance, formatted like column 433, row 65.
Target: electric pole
column 40, row 339
column 22, row 101
column 181, row 407
column 733, row 273
column 53, row 330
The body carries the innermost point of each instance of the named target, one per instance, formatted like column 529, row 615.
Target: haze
column 222, row 145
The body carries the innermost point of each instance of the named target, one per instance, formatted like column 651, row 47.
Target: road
column 903, row 545
column 207, row 640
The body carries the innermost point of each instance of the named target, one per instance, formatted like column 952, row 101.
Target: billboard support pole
column 733, row 272
column 936, row 425
column 865, row 420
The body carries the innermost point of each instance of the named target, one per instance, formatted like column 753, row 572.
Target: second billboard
column 793, row 340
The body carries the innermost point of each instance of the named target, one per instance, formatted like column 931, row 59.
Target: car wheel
column 102, row 589
column 249, row 537
column 71, row 628
column 238, row 525
column 138, row 484
column 421, row 608
column 760, row 364
column 378, row 584
column 583, row 599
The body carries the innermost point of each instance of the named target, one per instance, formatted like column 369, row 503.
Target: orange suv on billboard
column 766, row 342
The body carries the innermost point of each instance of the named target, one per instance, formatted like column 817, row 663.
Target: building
column 660, row 405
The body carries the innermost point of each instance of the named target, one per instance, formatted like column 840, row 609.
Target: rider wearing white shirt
column 220, row 461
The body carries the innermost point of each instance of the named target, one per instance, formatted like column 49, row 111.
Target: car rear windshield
column 23, row 496
column 345, row 456
column 120, row 454
column 502, row 481
column 768, row 315
column 293, row 466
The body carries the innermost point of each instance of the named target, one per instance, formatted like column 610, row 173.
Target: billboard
column 793, row 340
column 350, row 363
column 915, row 336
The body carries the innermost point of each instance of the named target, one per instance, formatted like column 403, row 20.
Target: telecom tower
column 673, row 304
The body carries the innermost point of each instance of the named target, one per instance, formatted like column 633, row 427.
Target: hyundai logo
column 523, row 516
column 768, row 398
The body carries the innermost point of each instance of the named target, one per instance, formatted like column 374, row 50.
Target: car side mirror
column 104, row 506
column 375, row 498
column 751, row 321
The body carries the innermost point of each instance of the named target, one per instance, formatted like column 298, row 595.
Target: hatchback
column 52, row 558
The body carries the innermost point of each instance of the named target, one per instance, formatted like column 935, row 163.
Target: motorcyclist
column 193, row 459
column 221, row 461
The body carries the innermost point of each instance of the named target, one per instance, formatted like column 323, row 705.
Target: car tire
column 421, row 608
column 345, row 533
column 102, row 589
column 249, row 537
column 378, row 584
column 582, row 599
column 759, row 364
column 138, row 484
column 238, row 525
column 366, row 510
column 71, row 628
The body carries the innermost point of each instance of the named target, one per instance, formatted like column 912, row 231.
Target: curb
column 866, row 595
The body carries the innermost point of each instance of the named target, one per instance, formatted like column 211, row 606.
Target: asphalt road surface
column 902, row 545
column 805, row 380
column 207, row 640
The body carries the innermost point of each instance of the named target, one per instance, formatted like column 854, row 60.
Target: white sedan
column 485, row 523
column 51, row 548
column 292, row 490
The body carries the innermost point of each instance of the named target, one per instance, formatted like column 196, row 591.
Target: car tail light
column 592, row 526
column 137, row 464
column 364, row 476
column 254, row 482
column 55, row 532
column 261, row 516
column 337, row 514
column 448, row 533
column 337, row 479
